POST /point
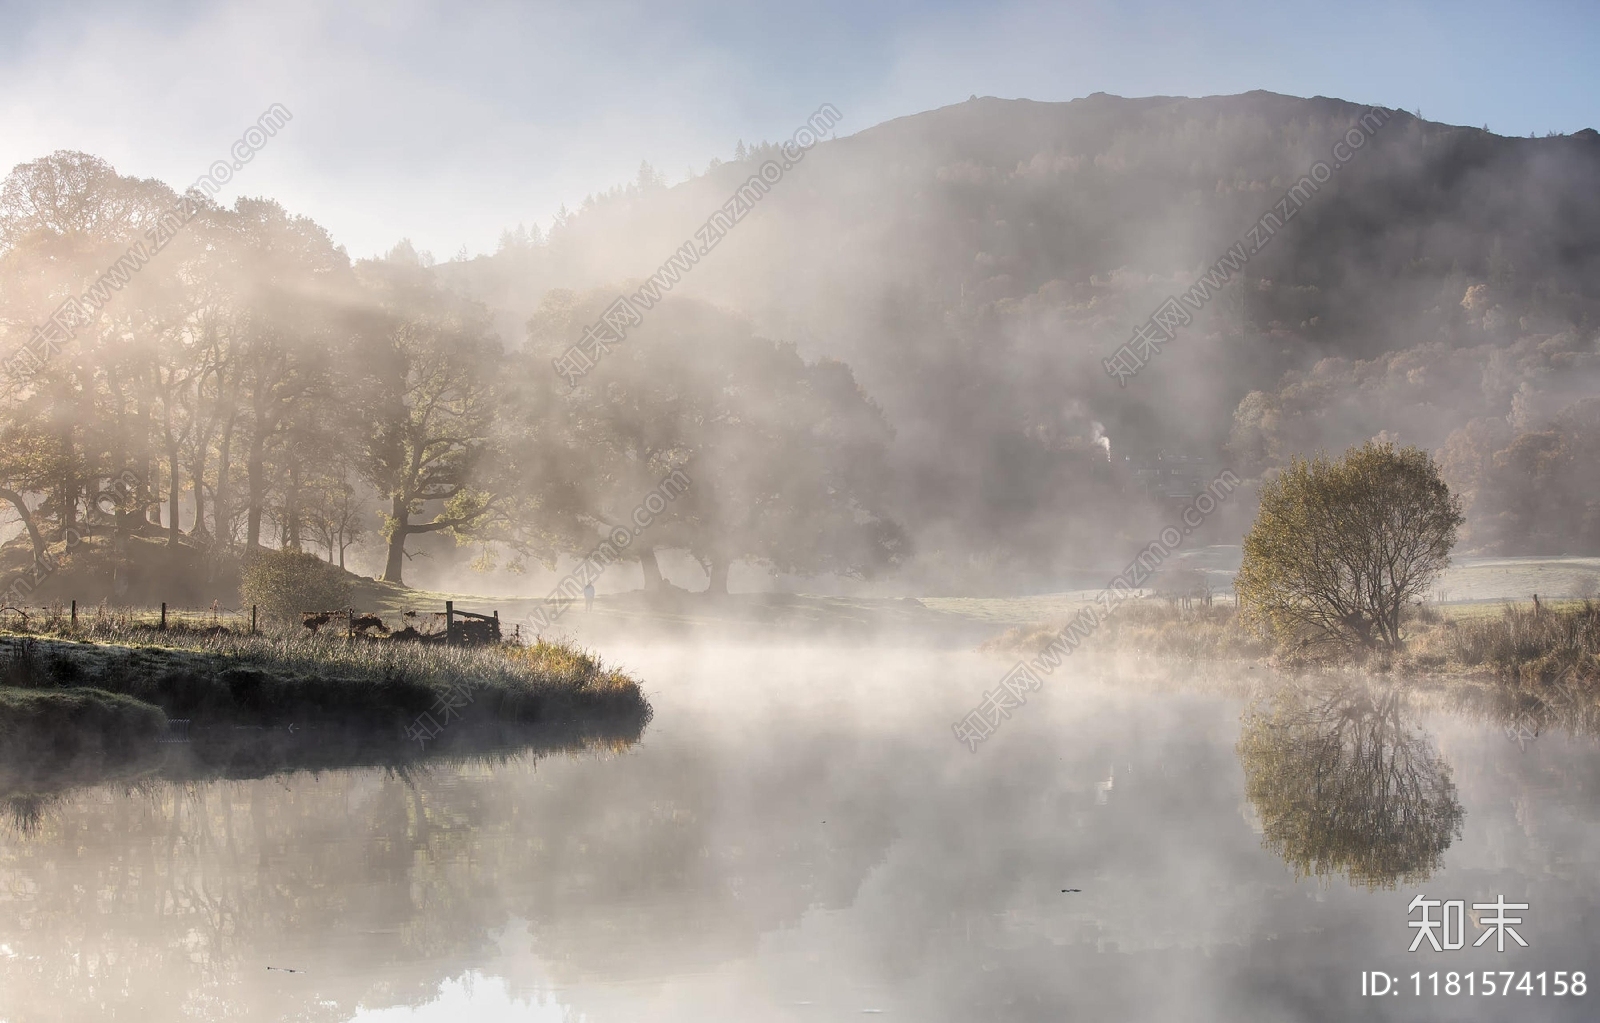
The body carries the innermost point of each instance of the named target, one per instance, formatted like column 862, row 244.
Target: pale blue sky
column 449, row 121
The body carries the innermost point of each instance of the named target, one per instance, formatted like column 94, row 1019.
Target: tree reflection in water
column 368, row 867
column 1344, row 784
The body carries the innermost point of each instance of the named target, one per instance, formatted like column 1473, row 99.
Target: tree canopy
column 786, row 455
column 245, row 386
column 1341, row 546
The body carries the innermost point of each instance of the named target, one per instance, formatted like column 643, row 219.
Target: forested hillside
column 895, row 355
column 977, row 264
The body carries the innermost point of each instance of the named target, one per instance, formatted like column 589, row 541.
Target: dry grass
column 292, row 675
column 1150, row 628
column 1527, row 645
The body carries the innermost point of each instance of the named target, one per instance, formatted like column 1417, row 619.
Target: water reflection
column 796, row 837
column 1344, row 783
column 30, row 786
column 1525, row 712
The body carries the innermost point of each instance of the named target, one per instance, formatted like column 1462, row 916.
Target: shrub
column 284, row 583
column 1341, row 547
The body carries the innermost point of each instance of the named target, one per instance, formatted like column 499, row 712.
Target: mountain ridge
column 976, row 264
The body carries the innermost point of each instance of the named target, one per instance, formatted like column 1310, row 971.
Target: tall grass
column 1526, row 645
column 1539, row 645
column 1151, row 629
column 1201, row 632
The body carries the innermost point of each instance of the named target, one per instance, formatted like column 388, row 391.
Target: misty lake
column 799, row 836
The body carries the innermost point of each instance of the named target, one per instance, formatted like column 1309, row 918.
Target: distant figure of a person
column 588, row 596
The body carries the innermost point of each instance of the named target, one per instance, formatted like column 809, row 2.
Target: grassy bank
column 221, row 677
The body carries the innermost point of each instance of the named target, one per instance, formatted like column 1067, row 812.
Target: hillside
column 975, row 264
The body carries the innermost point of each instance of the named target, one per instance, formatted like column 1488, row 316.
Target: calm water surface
column 800, row 837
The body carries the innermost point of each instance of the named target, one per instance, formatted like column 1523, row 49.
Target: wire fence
column 452, row 626
column 53, row 617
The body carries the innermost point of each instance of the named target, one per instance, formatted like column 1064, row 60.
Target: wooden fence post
column 74, row 614
column 163, row 616
column 449, row 620
column 252, row 619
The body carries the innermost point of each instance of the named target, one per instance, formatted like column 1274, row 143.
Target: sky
column 447, row 122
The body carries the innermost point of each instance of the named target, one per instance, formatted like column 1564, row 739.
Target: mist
column 1013, row 512
column 965, row 274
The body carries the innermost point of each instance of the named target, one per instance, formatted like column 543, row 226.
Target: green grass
column 1495, row 579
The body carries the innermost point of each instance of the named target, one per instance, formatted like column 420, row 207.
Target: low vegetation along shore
column 111, row 682
column 1333, row 573
column 1524, row 644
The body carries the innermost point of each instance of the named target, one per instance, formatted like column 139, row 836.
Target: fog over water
column 797, row 836
column 800, row 368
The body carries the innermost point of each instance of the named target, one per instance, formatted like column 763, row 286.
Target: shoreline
column 1536, row 660
column 97, row 701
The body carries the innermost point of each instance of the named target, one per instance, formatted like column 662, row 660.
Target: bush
column 284, row 583
column 1341, row 547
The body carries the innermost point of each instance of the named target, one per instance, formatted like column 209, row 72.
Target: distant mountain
column 976, row 264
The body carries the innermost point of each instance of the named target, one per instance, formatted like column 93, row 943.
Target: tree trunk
column 26, row 516
column 291, row 508
column 256, row 471
column 128, row 511
column 651, row 568
column 717, row 569
column 152, row 497
column 397, row 542
column 67, row 497
column 174, row 493
column 222, row 507
column 197, row 478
